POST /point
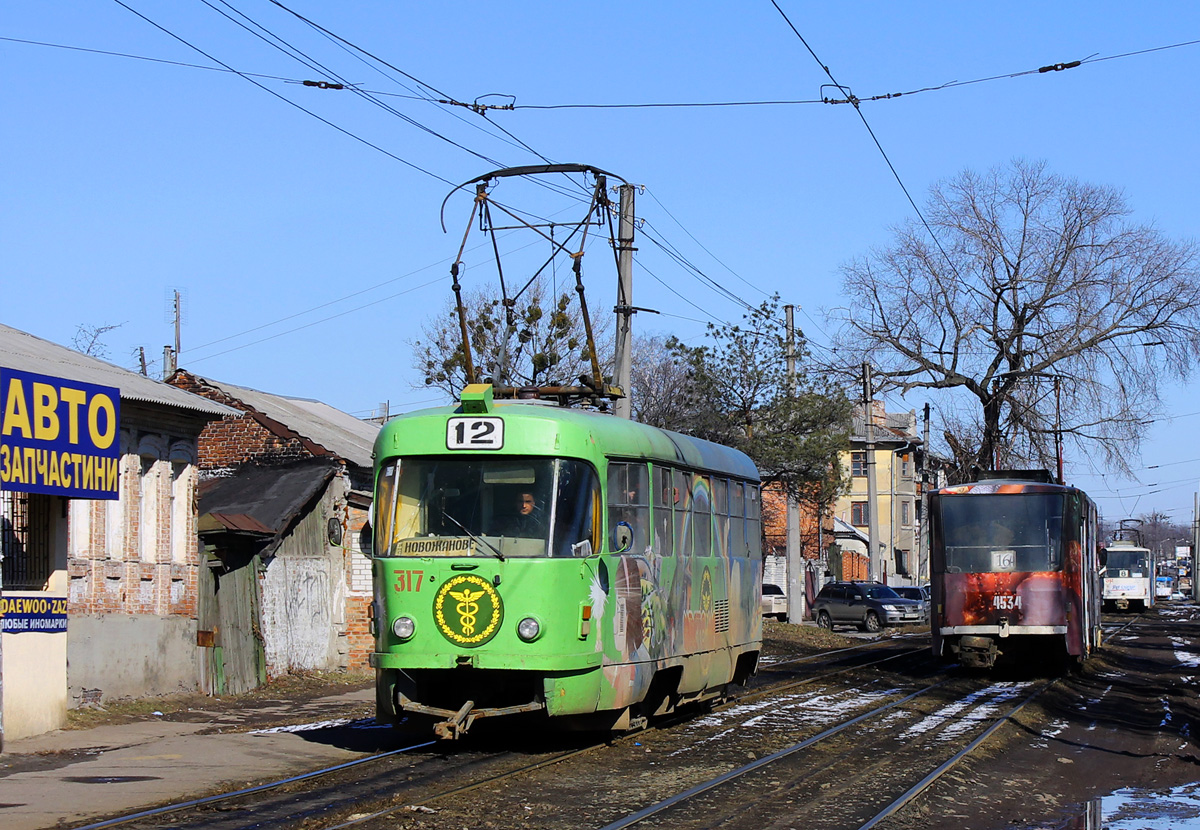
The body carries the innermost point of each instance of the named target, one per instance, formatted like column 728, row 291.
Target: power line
column 661, row 282
column 662, row 105
column 692, row 269
column 446, row 98
column 296, row 54
column 286, row 100
column 871, row 132
column 318, row 322
column 702, row 246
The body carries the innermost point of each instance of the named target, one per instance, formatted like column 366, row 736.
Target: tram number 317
column 474, row 434
column 405, row 580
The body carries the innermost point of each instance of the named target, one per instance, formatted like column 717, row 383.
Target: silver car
column 868, row 605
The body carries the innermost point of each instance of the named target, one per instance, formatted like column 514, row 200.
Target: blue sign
column 47, row 615
column 58, row 437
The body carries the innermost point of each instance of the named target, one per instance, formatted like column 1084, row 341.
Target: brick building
column 284, row 495
column 121, row 565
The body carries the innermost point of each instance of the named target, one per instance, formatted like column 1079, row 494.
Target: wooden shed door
column 229, row 609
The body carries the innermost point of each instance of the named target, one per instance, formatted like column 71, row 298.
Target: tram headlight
column 404, row 627
column 529, row 629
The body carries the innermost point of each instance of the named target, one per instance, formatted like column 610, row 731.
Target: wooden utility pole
column 795, row 563
column 623, row 369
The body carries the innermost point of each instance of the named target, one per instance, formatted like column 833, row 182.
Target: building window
column 25, row 537
column 906, row 465
column 905, row 514
column 858, row 463
column 858, row 513
column 902, row 562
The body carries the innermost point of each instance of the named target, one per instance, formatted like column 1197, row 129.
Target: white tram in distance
column 1128, row 573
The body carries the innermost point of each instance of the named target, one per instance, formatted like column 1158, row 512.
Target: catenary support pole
column 623, row 369
column 795, row 564
column 874, row 557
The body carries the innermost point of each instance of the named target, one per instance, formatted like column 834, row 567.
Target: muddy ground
column 1128, row 719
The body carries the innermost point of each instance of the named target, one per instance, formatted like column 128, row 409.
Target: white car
column 774, row 602
column 919, row 594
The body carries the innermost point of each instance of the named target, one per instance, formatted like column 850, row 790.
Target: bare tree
column 545, row 346
column 89, row 339
column 662, row 393
column 1042, row 303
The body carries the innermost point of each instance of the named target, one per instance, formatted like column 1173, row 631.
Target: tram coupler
column 456, row 726
column 977, row 652
column 457, row 723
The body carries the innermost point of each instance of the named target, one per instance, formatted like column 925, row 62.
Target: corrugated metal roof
column 340, row 433
column 24, row 352
column 264, row 499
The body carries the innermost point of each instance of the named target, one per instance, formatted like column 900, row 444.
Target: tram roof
column 615, row 437
column 1004, row 486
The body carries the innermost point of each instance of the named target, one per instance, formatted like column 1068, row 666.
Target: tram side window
column 628, row 508
column 576, row 511
column 753, row 521
column 701, row 516
column 737, row 519
column 664, row 511
column 382, row 508
column 721, row 513
column 683, row 499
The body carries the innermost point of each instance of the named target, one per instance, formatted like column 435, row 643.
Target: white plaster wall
column 35, row 680
column 298, row 607
column 129, row 655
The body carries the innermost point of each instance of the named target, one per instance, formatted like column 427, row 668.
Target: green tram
column 531, row 558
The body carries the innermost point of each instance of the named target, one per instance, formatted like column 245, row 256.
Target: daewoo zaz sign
column 58, row 437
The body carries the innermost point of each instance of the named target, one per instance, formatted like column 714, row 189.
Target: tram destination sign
column 58, row 437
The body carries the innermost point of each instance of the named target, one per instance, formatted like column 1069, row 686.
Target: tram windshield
column 1128, row 562
column 495, row 506
column 989, row 533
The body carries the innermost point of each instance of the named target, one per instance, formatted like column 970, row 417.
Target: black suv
column 869, row 605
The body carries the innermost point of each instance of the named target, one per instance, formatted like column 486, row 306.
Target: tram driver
column 528, row 521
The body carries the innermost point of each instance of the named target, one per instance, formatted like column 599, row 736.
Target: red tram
column 1015, row 564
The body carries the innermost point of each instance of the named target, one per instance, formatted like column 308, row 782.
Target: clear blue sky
column 125, row 179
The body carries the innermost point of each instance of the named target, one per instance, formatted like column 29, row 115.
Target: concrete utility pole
column 623, row 369
column 923, row 528
column 874, row 558
column 795, row 564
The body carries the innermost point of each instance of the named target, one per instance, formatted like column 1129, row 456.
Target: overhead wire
column 444, row 97
column 483, row 108
column 279, row 43
column 702, row 246
column 285, row 99
column 878, row 145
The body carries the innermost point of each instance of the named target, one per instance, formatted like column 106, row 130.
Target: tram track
column 306, row 797
column 814, row 791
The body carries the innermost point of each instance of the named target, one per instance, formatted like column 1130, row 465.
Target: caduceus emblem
column 467, row 608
